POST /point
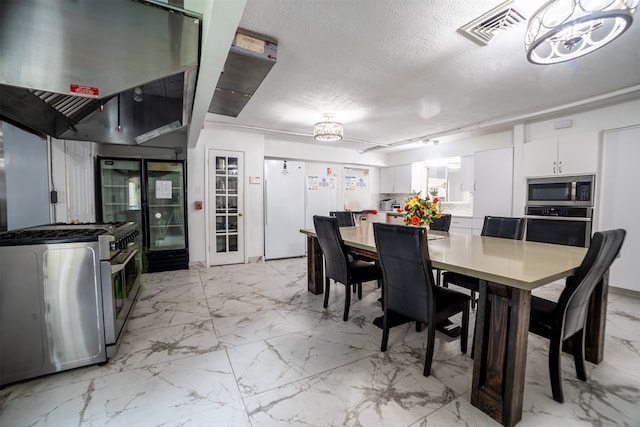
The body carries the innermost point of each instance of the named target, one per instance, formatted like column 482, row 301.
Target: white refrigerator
column 284, row 209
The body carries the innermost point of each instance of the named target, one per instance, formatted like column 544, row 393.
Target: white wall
column 253, row 147
column 292, row 148
column 599, row 120
column 258, row 146
column 461, row 147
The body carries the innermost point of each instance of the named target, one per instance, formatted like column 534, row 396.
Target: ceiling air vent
column 484, row 28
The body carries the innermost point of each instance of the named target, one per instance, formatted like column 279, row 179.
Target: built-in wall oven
column 65, row 293
column 560, row 210
column 560, row 225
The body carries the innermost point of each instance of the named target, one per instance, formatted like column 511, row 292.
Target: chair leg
column 385, row 332
column 327, row 287
column 473, row 299
column 418, row 326
column 359, row 285
column 555, row 372
column 347, row 304
column 431, row 331
column 578, row 355
column 473, row 338
column 464, row 334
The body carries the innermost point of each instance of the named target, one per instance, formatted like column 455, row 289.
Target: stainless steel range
column 66, row 291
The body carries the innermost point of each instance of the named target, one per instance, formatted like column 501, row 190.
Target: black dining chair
column 566, row 319
column 345, row 218
column 494, row 226
column 337, row 266
column 440, row 224
column 408, row 288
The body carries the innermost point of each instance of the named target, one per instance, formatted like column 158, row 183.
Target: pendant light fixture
column 327, row 131
column 566, row 29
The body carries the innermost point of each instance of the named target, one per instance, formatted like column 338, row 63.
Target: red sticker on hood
column 84, row 90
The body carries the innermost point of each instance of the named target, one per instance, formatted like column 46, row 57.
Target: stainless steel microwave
column 561, row 191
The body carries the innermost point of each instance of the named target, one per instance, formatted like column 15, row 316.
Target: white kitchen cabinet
column 461, row 225
column 395, row 219
column 398, row 179
column 493, row 174
column 572, row 154
column 403, row 179
column 387, row 179
column 466, row 168
column 477, row 224
column 618, row 203
column 378, row 217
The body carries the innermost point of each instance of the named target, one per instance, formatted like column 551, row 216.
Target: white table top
column 517, row 263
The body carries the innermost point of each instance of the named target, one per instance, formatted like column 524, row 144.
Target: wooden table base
column 501, row 352
column 314, row 266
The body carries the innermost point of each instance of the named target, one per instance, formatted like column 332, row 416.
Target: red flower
column 435, row 200
column 415, row 220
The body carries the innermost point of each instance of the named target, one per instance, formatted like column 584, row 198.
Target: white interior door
column 618, row 204
column 226, row 207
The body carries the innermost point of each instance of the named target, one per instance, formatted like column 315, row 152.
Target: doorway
column 226, row 207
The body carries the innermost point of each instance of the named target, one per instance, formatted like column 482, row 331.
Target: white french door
column 226, row 207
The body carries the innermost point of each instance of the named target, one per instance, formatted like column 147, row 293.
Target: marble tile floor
column 247, row 345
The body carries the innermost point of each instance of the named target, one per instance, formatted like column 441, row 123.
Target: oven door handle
column 558, row 218
column 118, row 267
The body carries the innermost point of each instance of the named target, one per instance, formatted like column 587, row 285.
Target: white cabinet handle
column 554, row 167
column 560, row 166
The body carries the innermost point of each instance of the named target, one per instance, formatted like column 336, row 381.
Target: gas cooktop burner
column 59, row 233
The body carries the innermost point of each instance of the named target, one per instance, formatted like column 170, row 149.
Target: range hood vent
column 486, row 27
column 117, row 71
column 250, row 59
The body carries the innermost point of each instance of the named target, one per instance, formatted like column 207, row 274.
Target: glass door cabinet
column 165, row 195
column 121, row 191
column 151, row 193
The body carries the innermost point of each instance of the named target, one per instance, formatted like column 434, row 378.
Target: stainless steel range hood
column 117, row 71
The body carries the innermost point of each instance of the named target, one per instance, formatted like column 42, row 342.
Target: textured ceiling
column 394, row 71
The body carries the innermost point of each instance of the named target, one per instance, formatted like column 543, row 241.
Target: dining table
column 508, row 271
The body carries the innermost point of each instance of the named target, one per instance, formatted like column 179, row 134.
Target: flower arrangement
column 420, row 211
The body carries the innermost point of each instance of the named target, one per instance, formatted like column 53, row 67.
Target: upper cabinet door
column 571, row 154
column 467, row 180
column 387, row 179
column 396, row 179
column 541, row 157
column 578, row 153
column 493, row 171
column 403, row 179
